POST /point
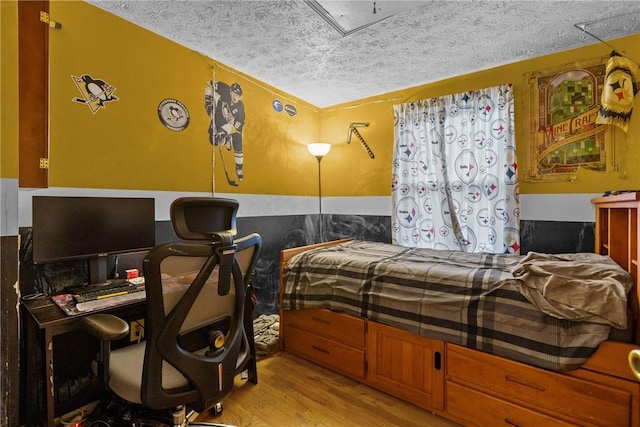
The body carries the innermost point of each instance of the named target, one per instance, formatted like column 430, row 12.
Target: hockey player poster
column 223, row 103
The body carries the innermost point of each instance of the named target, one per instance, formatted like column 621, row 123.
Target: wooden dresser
column 617, row 235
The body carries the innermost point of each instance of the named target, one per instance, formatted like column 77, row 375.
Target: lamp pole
column 320, row 196
column 319, row 150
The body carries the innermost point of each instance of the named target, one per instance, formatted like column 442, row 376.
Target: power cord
column 77, row 417
column 139, row 330
column 73, row 418
column 35, row 295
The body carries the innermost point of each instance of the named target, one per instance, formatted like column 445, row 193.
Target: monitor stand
column 97, row 270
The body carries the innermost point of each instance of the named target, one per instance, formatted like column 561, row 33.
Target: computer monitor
column 91, row 228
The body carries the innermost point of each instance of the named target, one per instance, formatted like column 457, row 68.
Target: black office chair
column 198, row 328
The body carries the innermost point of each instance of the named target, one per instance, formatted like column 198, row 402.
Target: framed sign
column 564, row 133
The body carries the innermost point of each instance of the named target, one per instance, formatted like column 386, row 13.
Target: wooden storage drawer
column 329, row 353
column 346, row 329
column 406, row 365
column 480, row 409
column 585, row 401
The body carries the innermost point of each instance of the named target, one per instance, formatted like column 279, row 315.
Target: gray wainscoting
column 280, row 232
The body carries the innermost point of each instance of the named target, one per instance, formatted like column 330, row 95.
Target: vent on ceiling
column 348, row 17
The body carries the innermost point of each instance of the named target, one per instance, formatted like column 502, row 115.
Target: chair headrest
column 204, row 218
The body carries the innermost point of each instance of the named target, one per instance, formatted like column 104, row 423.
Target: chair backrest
column 198, row 218
column 248, row 249
column 195, row 332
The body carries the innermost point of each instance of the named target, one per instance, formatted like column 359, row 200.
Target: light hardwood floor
column 292, row 392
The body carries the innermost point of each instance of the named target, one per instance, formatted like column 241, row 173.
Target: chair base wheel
column 217, row 408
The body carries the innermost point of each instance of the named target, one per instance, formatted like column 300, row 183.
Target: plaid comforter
column 463, row 298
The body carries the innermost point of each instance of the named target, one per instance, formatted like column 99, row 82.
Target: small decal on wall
column 291, row 110
column 94, row 92
column 277, row 105
column 173, row 114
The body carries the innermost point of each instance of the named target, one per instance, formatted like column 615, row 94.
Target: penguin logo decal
column 173, row 114
column 94, row 92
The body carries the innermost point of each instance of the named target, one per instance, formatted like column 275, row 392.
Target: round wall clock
column 173, row 114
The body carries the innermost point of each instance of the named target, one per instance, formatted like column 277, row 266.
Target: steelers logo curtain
column 621, row 85
column 455, row 181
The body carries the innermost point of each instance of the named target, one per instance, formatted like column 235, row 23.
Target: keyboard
column 108, row 293
column 102, row 303
column 80, row 299
column 112, row 284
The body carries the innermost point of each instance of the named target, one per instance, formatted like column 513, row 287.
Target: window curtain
column 455, row 181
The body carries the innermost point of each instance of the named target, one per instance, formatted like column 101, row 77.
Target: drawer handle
column 319, row 320
column 521, row 382
column 634, row 362
column 321, row 350
column 511, row 423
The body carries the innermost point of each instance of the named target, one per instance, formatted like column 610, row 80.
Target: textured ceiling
column 288, row 45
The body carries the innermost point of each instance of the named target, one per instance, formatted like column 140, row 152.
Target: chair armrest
column 105, row 327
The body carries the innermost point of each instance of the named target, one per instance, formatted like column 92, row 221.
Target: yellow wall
column 365, row 177
column 8, row 89
column 125, row 146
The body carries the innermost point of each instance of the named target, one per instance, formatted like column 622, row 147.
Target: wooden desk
column 42, row 321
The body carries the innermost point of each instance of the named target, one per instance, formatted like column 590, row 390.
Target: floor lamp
column 319, row 150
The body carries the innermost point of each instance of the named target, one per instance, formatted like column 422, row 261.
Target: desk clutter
column 98, row 297
column 116, row 412
column 196, row 307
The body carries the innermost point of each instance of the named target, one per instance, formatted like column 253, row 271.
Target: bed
column 471, row 299
column 496, row 332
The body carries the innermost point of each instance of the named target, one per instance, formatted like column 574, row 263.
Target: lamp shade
column 319, row 149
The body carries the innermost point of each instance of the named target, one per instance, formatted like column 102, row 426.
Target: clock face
column 173, row 114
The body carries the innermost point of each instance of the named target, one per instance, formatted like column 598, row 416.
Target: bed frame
column 476, row 388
